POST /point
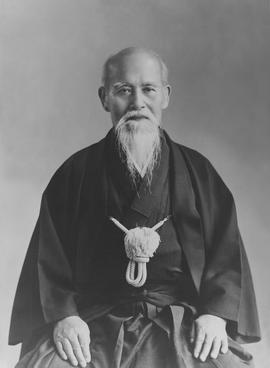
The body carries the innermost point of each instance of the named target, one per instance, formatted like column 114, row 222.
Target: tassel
column 140, row 245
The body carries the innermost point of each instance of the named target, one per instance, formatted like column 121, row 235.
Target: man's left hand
column 209, row 336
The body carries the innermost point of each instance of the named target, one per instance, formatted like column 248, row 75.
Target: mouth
column 137, row 117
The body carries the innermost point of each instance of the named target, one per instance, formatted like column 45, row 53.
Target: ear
column 103, row 98
column 166, row 97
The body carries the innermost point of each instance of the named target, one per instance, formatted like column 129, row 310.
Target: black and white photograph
column 134, row 183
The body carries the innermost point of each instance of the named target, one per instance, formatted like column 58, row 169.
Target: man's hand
column 209, row 336
column 71, row 336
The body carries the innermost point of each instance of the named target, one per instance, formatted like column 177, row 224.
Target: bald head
column 135, row 92
column 115, row 61
column 135, row 80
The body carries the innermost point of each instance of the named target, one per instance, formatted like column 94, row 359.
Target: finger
column 199, row 340
column 215, row 348
column 192, row 334
column 85, row 346
column 69, row 352
column 60, row 350
column 224, row 345
column 78, row 352
column 206, row 348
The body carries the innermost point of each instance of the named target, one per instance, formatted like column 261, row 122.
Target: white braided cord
column 141, row 258
column 141, row 273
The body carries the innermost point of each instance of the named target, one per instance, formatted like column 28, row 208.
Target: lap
column 43, row 355
column 120, row 340
column 228, row 360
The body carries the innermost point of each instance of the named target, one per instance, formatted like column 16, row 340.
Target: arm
column 46, row 296
column 70, row 333
column 226, row 285
column 226, row 294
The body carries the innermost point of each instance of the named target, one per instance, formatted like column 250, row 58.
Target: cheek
column 117, row 112
column 119, row 107
column 156, row 105
column 157, row 109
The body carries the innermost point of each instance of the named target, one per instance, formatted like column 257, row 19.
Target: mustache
column 135, row 114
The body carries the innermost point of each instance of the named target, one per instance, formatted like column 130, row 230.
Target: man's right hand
column 71, row 336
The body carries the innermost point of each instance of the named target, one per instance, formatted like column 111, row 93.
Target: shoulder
column 201, row 170
column 80, row 158
column 74, row 167
column 193, row 155
column 193, row 158
column 188, row 153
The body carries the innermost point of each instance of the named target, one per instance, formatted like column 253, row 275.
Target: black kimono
column 75, row 264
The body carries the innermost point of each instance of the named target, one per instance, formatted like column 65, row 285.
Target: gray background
column 51, row 56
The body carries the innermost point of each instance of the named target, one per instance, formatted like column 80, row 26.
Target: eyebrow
column 120, row 84
column 146, row 84
column 150, row 84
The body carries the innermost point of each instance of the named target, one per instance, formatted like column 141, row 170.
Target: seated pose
column 136, row 259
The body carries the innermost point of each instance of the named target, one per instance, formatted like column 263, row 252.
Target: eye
column 124, row 91
column 149, row 90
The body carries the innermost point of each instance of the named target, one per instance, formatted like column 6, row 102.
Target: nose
column 137, row 101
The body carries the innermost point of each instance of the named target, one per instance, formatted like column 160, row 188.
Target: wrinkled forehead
column 134, row 68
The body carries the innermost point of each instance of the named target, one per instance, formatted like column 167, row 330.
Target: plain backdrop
column 52, row 51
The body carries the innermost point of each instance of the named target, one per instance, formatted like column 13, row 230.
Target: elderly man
column 136, row 259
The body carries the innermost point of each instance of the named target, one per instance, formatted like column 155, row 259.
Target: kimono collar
column 186, row 217
column 147, row 198
column 143, row 198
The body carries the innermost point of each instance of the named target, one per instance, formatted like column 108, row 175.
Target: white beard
column 139, row 141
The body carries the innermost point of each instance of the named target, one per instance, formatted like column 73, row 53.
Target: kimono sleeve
column 226, row 286
column 57, row 293
column 45, row 292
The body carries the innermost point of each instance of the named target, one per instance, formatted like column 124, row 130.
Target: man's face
column 135, row 88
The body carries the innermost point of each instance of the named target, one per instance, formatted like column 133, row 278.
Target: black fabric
column 74, row 212
column 137, row 205
column 142, row 204
column 139, row 335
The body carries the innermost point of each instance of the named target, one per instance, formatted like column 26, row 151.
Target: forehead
column 135, row 68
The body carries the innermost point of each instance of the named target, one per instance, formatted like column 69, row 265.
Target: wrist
column 213, row 316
